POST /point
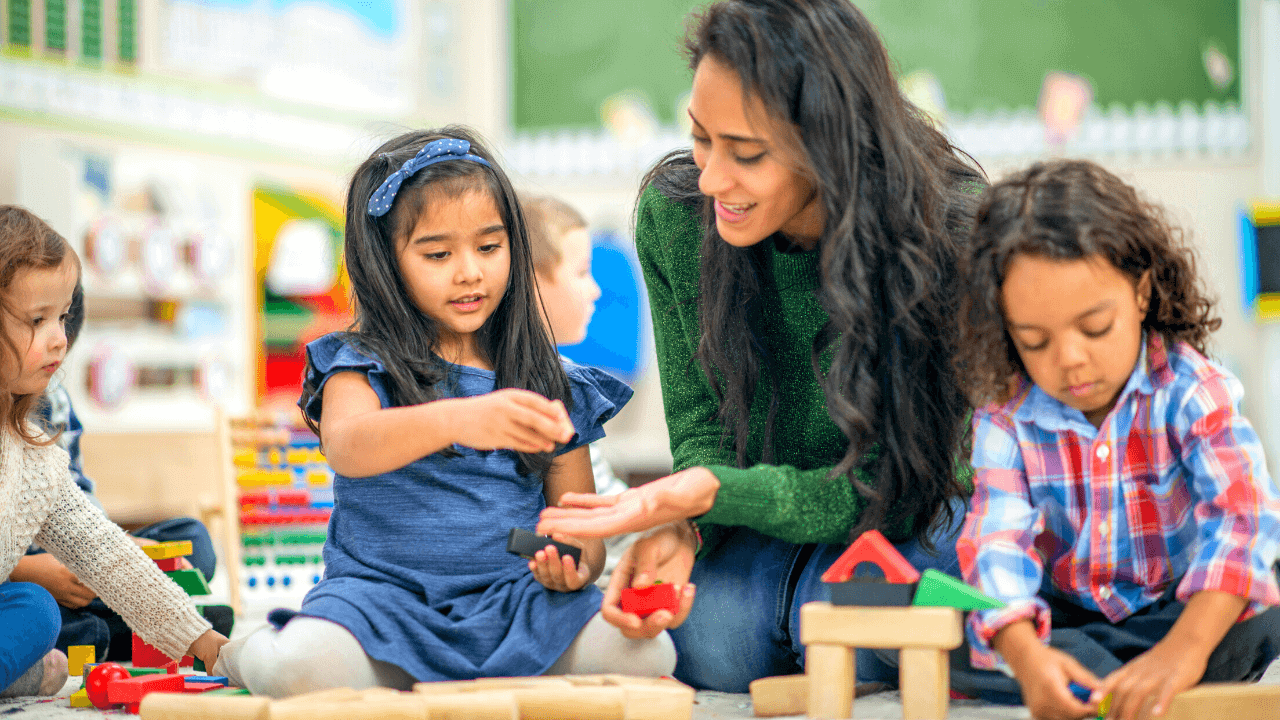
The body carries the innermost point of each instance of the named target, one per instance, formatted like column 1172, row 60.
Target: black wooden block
column 872, row 593
column 525, row 544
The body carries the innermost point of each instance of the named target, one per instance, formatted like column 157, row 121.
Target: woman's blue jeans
column 745, row 622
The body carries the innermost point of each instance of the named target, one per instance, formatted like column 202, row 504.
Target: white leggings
column 313, row 654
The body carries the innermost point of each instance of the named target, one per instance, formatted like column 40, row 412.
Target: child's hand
column 513, row 419
column 1045, row 675
column 46, row 571
column 207, row 647
column 1144, row 686
column 557, row 572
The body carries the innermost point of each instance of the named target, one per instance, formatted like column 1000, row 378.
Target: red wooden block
column 132, row 690
column 646, row 601
column 199, row 687
column 187, row 661
column 167, row 564
column 872, row 547
column 145, row 655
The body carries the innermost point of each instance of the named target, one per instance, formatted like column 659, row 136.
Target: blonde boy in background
column 561, row 249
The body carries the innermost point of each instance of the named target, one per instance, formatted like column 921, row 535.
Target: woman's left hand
column 207, row 647
column 559, row 572
column 688, row 493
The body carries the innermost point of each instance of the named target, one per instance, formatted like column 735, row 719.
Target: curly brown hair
column 26, row 243
column 1070, row 210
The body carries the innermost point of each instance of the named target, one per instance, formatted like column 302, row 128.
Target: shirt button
column 1105, row 592
column 1103, row 527
column 1103, row 452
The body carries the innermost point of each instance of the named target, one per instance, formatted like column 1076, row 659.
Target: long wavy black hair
column 391, row 327
column 898, row 201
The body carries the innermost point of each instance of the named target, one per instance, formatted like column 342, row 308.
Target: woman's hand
column 664, row 553
column 207, row 647
column 46, row 571
column 557, row 572
column 688, row 493
column 512, row 419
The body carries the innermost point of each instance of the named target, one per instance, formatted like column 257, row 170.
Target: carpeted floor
column 710, row 706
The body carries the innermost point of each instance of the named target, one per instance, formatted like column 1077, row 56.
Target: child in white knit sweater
column 38, row 498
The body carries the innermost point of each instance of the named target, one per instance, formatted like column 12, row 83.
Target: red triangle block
column 872, row 547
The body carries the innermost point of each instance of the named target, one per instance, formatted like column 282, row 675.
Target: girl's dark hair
column 1070, row 210
column 26, row 243
column 389, row 326
column 898, row 198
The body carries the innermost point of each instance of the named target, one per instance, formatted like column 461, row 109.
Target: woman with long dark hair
column 800, row 264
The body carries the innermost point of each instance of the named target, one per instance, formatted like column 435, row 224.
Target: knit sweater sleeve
column 791, row 504
column 106, row 560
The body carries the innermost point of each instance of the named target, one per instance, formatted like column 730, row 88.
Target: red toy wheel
column 95, row 685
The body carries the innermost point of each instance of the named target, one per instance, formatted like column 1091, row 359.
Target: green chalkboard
column 569, row 55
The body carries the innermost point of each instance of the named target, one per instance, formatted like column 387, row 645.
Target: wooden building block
column 924, row 677
column 1237, row 701
column 335, row 695
column 659, row 701
column 133, row 689
column 780, row 695
column 871, row 546
column 80, row 699
column 400, row 706
column 871, row 592
column 169, row 564
column 165, row 550
column 647, row 601
column 831, row 680
column 191, row 581
column 939, row 589
column 147, row 656
column 77, row 657
column 880, row 627
column 484, row 705
column 207, row 706
column 573, row 703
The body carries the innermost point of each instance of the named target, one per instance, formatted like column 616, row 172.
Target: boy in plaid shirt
column 1122, row 505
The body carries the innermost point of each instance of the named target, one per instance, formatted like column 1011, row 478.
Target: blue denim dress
column 416, row 565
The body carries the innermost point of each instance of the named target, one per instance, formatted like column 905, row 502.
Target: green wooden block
column 198, row 665
column 938, row 589
column 191, row 581
column 136, row 671
column 228, row 691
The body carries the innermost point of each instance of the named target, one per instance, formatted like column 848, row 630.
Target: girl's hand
column 512, row 419
column 665, row 553
column 1144, row 686
column 557, row 572
column 207, row 647
column 688, row 493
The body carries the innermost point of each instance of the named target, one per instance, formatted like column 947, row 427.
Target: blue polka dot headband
column 433, row 152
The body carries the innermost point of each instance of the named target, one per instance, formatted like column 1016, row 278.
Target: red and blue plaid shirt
column 1172, row 488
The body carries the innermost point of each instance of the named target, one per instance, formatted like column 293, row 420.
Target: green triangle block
column 938, row 589
column 228, row 691
column 191, row 581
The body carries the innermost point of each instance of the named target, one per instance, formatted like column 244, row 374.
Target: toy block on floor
column 166, row 550
column 147, row 656
column 207, row 706
column 131, row 690
column 647, row 601
column 169, row 564
column 780, row 695
column 578, row 696
column 1238, row 701
column 77, row 657
column 80, row 699
column 872, row 547
column 938, row 589
column 191, row 581
column 923, row 635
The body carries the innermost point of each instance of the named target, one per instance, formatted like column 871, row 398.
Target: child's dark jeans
column 1101, row 646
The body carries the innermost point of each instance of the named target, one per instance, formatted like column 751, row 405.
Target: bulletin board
column 568, row 56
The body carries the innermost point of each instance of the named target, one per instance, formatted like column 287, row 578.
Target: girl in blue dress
column 448, row 419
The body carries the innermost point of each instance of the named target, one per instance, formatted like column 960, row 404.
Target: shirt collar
column 1150, row 372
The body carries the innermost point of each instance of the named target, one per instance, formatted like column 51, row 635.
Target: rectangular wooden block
column 147, row 656
column 486, row 705
column 80, row 698
column 1233, row 701
column 170, row 706
column 77, row 656
column 924, row 678
column 165, row 550
column 880, row 627
column 831, row 680
column 872, row 593
column 132, row 690
column 780, row 695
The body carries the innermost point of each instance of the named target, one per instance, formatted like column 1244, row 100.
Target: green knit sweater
column 793, row 499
